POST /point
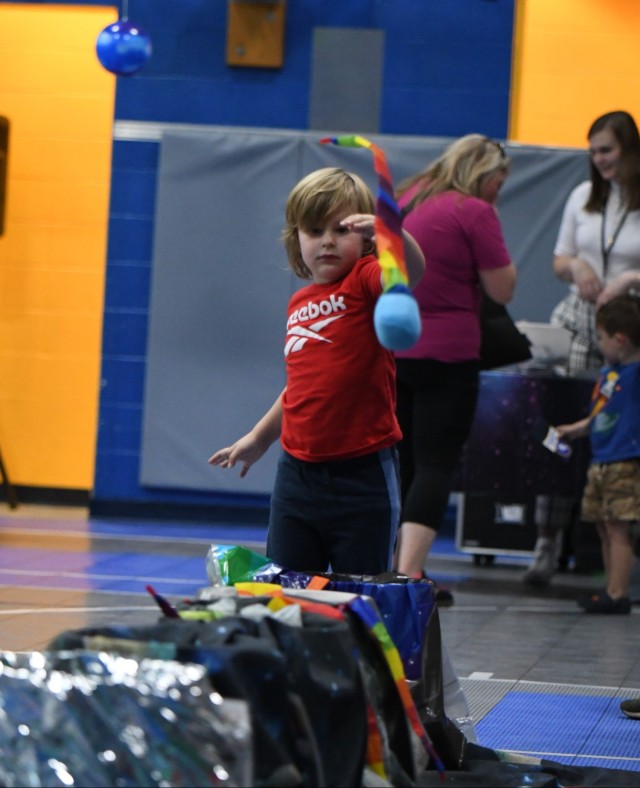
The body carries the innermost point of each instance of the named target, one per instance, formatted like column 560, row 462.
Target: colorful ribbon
column 374, row 624
column 388, row 221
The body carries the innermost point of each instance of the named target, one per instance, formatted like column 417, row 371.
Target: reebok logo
column 298, row 336
column 311, row 310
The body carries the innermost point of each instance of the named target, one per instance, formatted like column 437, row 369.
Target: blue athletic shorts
column 341, row 516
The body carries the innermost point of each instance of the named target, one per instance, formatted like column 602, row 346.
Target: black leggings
column 436, row 403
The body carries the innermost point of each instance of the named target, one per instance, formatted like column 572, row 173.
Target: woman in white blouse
column 598, row 253
column 598, row 245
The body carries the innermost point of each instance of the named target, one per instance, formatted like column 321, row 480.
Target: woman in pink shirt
column 449, row 209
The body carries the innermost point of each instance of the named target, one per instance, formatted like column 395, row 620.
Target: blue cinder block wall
column 446, row 72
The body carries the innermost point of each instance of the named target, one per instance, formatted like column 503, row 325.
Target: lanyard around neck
column 606, row 245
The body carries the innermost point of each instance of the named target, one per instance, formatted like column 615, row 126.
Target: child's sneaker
column 603, row 603
column 631, row 708
column 583, row 599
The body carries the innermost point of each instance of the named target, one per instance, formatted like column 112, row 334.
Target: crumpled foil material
column 80, row 718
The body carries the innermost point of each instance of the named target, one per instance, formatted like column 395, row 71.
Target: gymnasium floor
column 540, row 677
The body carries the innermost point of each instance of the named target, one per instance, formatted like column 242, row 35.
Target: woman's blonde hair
column 317, row 197
column 464, row 167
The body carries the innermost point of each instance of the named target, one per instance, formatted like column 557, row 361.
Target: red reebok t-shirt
column 339, row 402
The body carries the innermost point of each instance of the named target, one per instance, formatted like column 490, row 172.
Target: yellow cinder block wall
column 573, row 61
column 59, row 102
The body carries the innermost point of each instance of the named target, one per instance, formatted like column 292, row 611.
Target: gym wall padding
column 221, row 281
column 219, row 290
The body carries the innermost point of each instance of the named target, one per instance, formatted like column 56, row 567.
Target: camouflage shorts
column 612, row 492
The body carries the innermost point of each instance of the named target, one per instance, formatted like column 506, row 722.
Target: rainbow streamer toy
column 374, row 624
column 396, row 318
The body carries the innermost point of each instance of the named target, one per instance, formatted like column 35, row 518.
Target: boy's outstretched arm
column 254, row 444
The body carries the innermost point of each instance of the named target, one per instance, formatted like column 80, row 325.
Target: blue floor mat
column 566, row 728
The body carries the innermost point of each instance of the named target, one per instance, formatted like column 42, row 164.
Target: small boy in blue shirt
column 611, row 497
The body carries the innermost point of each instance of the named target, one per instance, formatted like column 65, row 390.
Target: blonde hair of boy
column 322, row 194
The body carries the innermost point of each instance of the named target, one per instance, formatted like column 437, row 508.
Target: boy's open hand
column 246, row 450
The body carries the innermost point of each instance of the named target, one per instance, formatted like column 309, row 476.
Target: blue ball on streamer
column 123, row 48
column 396, row 319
